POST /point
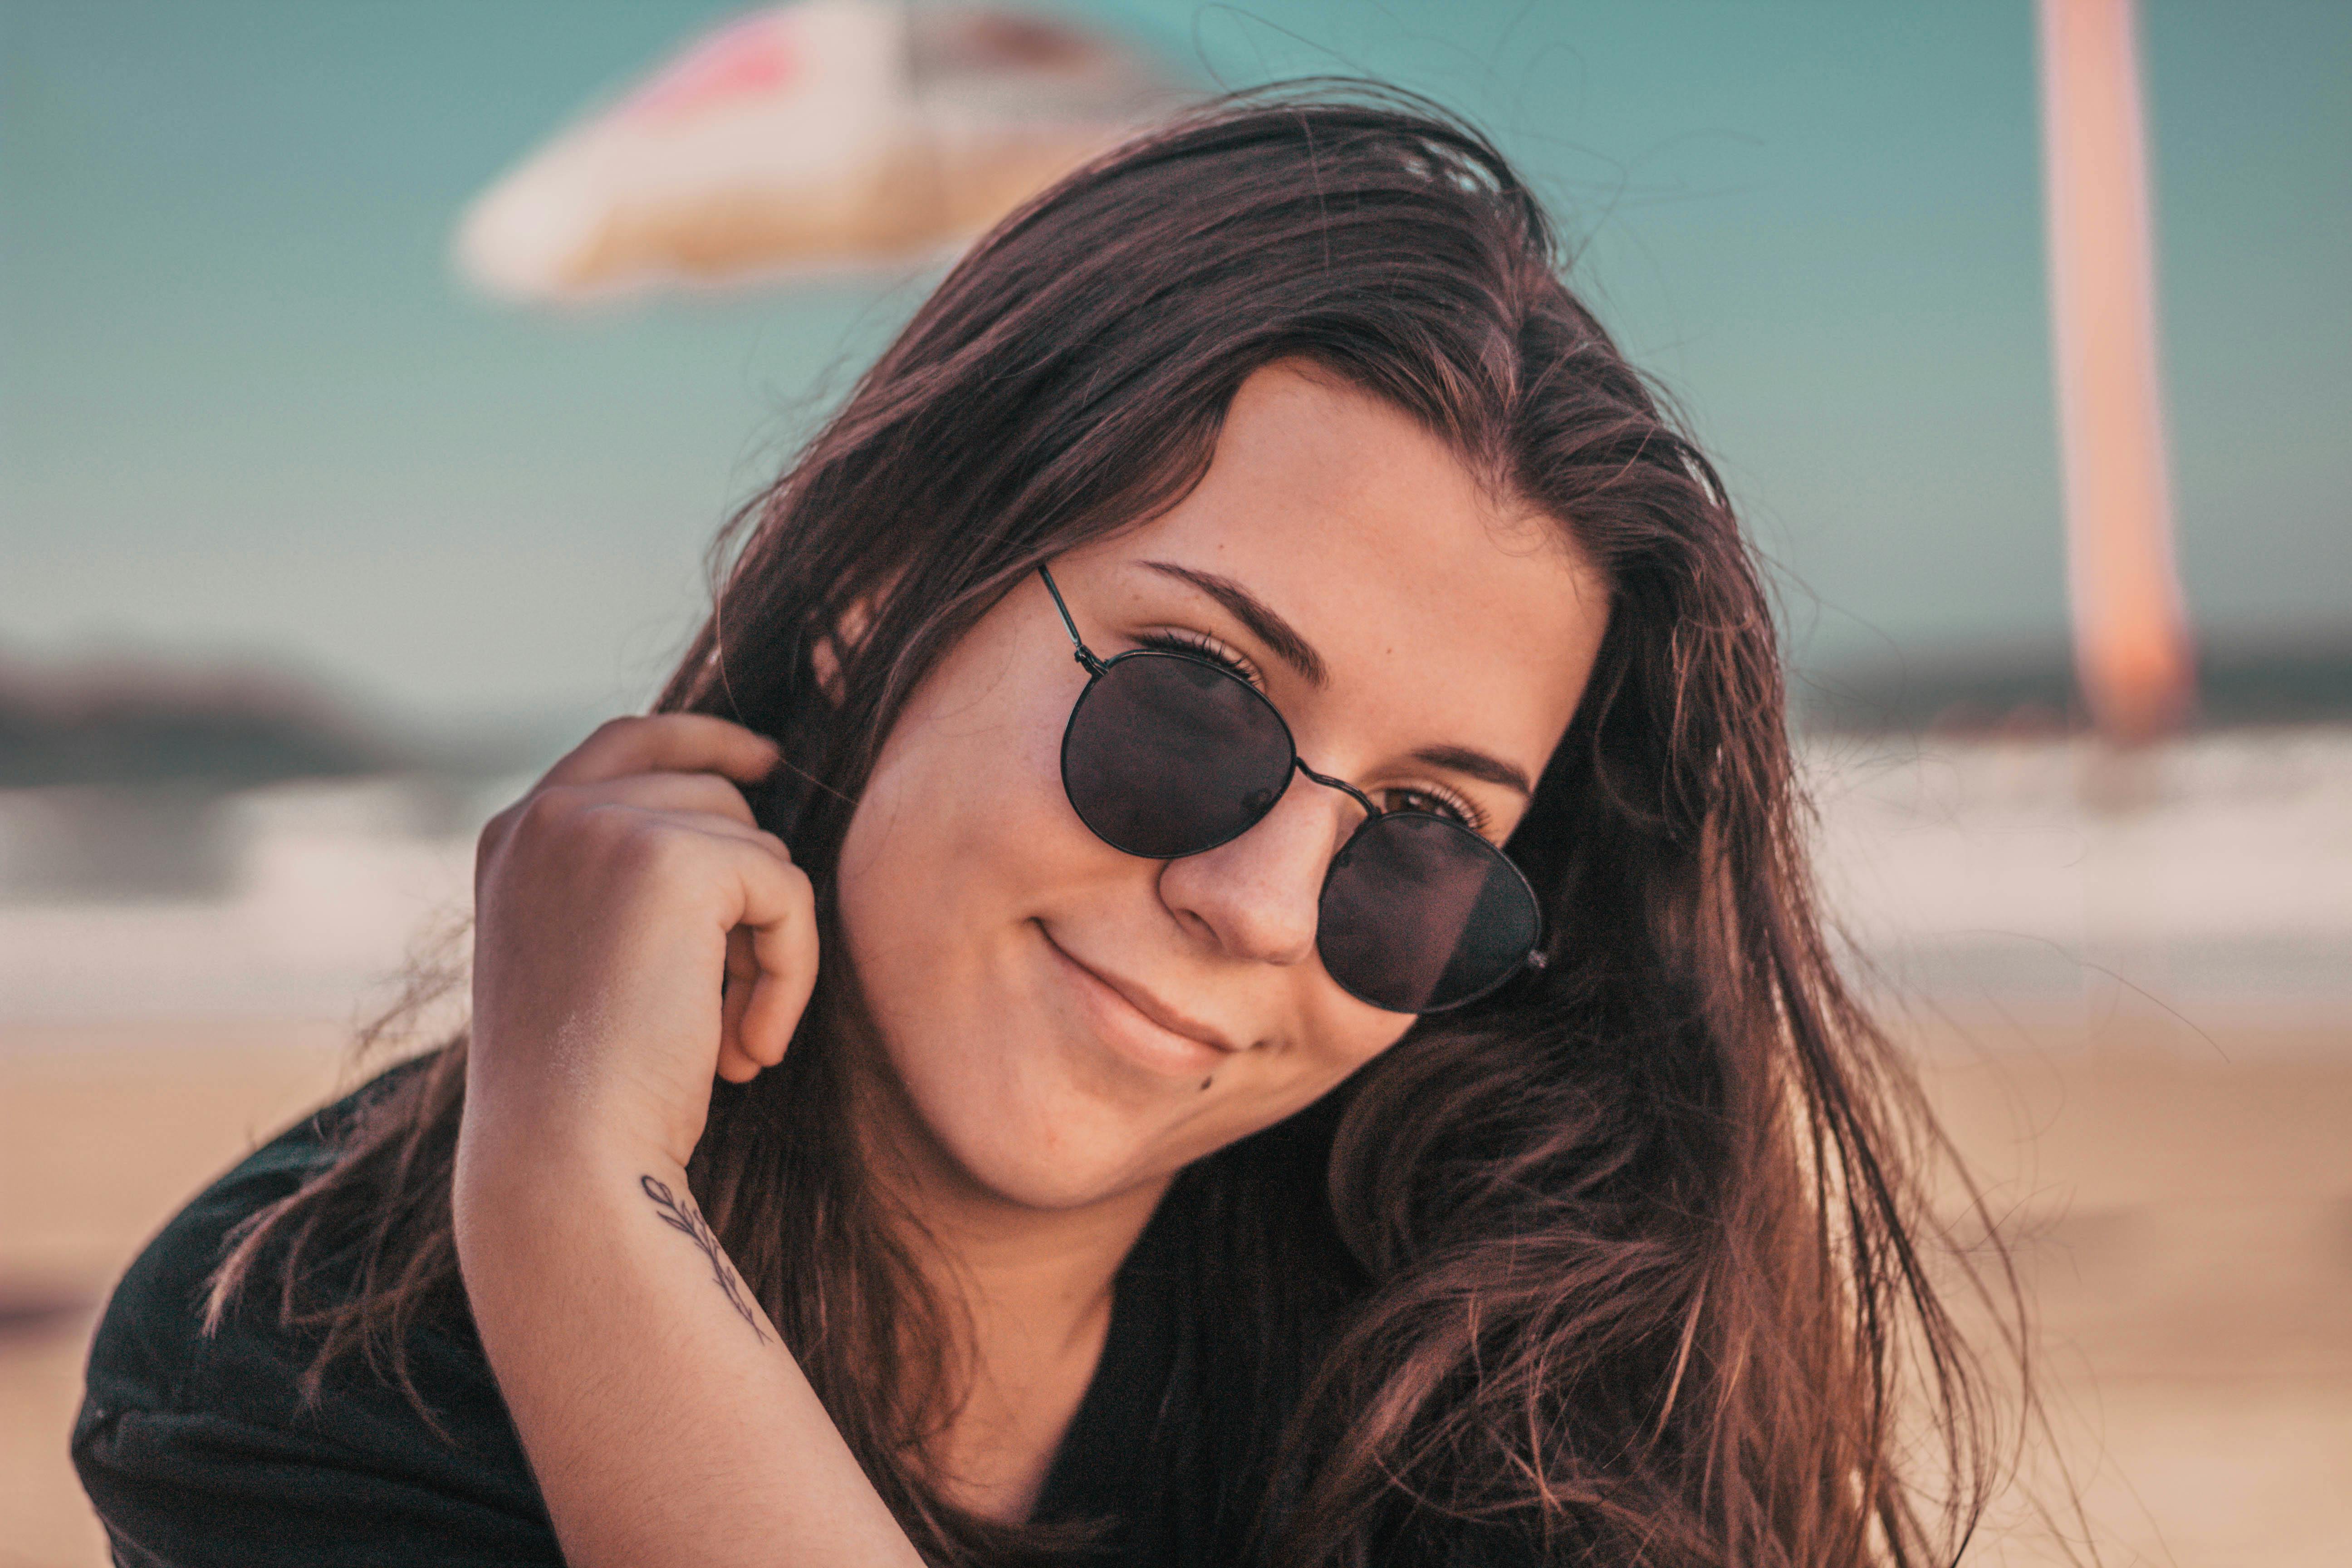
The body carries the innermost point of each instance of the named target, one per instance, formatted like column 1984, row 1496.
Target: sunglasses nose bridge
column 1273, row 803
column 1327, row 782
column 1259, row 894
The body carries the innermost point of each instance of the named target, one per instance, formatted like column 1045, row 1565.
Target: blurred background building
column 312, row 550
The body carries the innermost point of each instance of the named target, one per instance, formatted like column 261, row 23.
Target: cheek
column 961, row 839
column 961, row 823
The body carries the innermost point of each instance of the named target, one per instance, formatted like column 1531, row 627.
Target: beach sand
column 2181, row 1205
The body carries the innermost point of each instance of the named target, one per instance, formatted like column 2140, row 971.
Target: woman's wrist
column 664, row 1419
column 512, row 1212
column 534, row 1129
column 528, row 1182
column 519, row 1187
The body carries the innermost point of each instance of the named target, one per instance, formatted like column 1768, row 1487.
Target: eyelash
column 1201, row 645
column 1434, row 798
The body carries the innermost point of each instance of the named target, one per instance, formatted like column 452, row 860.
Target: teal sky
column 245, row 408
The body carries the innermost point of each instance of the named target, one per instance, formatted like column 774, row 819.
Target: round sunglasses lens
column 1167, row 756
column 1421, row 914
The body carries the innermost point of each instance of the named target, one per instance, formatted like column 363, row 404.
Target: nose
column 1258, row 897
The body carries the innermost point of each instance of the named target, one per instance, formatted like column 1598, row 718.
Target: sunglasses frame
column 1096, row 667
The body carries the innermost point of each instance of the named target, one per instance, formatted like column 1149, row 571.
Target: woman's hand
column 612, row 903
column 666, row 1423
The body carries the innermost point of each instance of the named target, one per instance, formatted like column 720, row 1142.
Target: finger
column 690, row 795
column 708, row 824
column 770, row 969
column 735, row 1064
column 779, row 908
column 744, row 971
column 668, row 742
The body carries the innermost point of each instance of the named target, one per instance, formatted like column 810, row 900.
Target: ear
column 825, row 658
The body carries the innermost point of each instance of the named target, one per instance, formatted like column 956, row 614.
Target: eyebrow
column 1252, row 611
column 1477, row 765
column 1283, row 639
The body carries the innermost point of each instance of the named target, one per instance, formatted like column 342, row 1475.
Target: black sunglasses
column 1169, row 755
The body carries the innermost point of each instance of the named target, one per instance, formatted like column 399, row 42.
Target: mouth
column 1137, row 1024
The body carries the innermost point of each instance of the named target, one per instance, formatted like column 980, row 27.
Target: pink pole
column 2132, row 647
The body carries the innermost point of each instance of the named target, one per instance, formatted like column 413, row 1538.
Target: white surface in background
column 2214, row 870
column 334, row 887
column 2236, row 837
column 2220, row 874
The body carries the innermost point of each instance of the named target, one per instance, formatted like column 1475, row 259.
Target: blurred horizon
column 250, row 419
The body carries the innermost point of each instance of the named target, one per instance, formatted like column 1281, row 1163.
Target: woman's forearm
column 664, row 1420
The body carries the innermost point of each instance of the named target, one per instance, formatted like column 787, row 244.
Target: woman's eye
column 1437, row 803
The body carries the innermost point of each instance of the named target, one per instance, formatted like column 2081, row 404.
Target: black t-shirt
column 200, row 1450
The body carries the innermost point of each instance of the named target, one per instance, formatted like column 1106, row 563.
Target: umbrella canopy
column 812, row 136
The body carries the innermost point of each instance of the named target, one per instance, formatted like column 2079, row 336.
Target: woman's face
column 1068, row 1022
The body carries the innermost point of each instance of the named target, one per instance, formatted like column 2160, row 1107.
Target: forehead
column 1435, row 603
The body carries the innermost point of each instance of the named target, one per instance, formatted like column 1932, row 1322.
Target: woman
column 1229, row 846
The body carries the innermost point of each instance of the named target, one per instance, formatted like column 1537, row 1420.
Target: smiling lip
column 1133, row 1019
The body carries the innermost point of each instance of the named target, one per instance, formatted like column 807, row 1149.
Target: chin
column 1040, row 1148
column 1033, row 1112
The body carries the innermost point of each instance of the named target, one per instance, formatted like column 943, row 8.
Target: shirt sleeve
column 200, row 1447
column 200, row 1488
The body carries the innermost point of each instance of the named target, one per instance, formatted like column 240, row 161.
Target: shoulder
column 183, row 1432
column 150, row 1345
column 151, row 1351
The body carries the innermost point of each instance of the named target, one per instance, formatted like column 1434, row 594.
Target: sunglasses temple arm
column 1080, row 650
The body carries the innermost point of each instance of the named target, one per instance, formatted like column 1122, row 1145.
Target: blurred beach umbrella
column 2132, row 650
column 808, row 137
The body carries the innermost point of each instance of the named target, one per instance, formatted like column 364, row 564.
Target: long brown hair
column 1620, row 1265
